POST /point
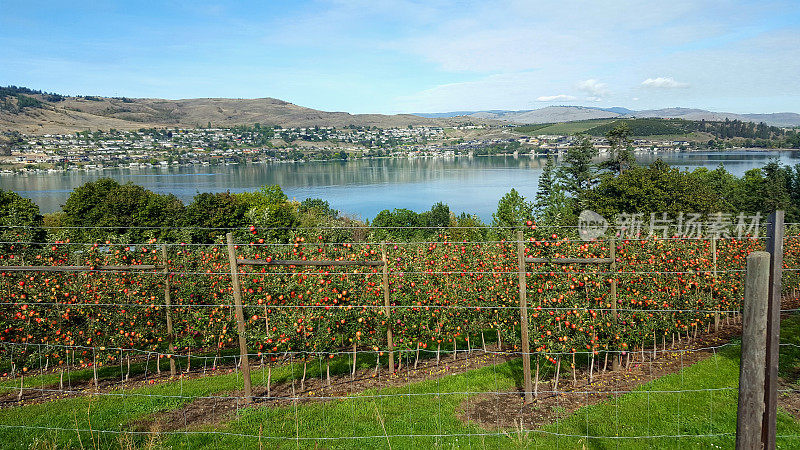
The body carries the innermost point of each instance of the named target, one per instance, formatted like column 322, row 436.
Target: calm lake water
column 362, row 188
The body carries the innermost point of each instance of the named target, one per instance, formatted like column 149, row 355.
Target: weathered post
column 386, row 304
column 168, row 306
column 750, row 411
column 523, row 318
column 237, row 298
column 775, row 231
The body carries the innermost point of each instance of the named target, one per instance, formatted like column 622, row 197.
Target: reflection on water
column 362, row 188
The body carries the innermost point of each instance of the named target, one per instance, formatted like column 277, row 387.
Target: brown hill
column 92, row 113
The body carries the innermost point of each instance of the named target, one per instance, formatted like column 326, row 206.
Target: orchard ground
column 690, row 392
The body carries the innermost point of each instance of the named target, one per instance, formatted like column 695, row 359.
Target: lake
column 362, row 188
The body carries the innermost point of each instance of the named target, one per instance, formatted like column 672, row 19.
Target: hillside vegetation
column 35, row 112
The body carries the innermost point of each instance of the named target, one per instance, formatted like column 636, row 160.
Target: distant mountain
column 455, row 113
column 36, row 112
column 619, row 110
column 40, row 113
column 774, row 119
column 552, row 114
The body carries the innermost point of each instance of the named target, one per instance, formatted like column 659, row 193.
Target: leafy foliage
column 106, row 209
column 657, row 188
column 20, row 221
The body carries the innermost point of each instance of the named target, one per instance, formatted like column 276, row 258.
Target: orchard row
column 439, row 291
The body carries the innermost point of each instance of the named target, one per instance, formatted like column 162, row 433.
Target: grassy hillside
column 646, row 127
column 565, row 128
column 34, row 112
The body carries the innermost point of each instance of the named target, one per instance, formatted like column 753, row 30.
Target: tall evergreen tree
column 578, row 172
column 546, row 180
column 621, row 152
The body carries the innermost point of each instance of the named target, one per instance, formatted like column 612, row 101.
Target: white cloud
column 594, row 88
column 664, row 83
column 553, row 98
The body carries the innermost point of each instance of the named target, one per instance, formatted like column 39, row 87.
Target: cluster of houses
column 213, row 146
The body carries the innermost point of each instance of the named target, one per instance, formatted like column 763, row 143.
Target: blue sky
column 394, row 56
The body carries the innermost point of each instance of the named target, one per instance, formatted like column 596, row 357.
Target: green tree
column 211, row 215
column 317, row 206
column 657, row 188
column 106, row 208
column 621, row 151
column 546, row 181
column 577, row 172
column 399, row 223
column 512, row 211
column 270, row 210
column 20, row 222
column 437, row 217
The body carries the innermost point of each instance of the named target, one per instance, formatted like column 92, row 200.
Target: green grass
column 107, row 372
column 698, row 402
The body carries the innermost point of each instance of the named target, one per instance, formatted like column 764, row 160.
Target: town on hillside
column 98, row 150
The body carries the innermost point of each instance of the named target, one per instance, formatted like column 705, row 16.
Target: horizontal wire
column 377, row 306
column 606, row 239
column 310, row 354
column 362, row 437
column 391, row 227
column 247, row 227
column 400, row 272
column 123, row 393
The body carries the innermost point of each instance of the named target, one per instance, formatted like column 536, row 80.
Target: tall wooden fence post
column 237, row 298
column 775, row 232
column 750, row 412
column 387, row 306
column 523, row 319
column 615, row 362
column 168, row 305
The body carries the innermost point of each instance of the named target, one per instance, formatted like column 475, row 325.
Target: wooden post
column 750, row 412
column 775, row 231
column 237, row 298
column 523, row 316
column 168, row 303
column 612, row 251
column 714, row 278
column 386, row 304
